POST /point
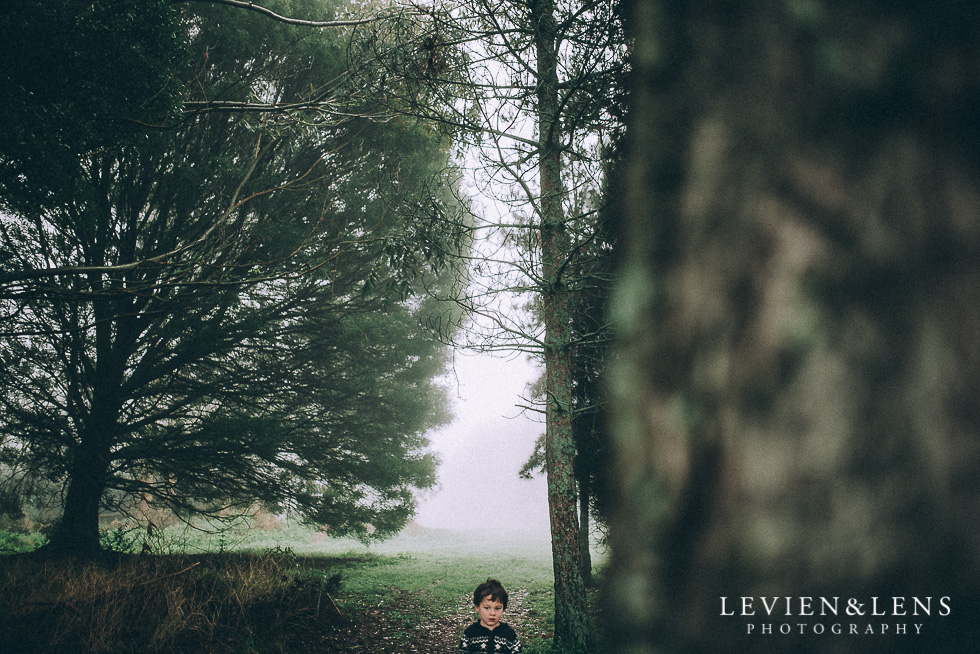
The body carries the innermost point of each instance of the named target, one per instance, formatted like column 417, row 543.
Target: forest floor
column 420, row 600
column 436, row 631
column 296, row 593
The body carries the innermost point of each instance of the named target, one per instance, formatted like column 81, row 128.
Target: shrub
column 16, row 542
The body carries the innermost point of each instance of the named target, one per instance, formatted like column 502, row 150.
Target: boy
column 489, row 635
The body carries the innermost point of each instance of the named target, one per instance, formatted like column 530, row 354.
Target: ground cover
column 288, row 590
column 420, row 593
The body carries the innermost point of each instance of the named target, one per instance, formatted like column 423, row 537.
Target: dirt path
column 383, row 630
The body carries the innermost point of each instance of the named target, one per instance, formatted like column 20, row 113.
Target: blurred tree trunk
column 795, row 400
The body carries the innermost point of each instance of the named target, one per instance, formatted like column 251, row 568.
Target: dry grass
column 408, row 595
column 148, row 604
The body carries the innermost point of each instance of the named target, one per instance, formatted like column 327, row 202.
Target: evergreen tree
column 79, row 76
column 227, row 311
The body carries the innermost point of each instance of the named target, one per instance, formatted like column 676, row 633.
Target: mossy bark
column 573, row 631
column 794, row 396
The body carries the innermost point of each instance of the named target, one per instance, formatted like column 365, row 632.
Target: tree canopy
column 79, row 76
column 227, row 311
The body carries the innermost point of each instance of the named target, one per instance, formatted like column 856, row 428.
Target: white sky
column 483, row 449
column 489, row 440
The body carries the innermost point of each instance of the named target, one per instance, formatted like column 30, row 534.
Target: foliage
column 15, row 542
column 79, row 76
column 120, row 540
column 228, row 311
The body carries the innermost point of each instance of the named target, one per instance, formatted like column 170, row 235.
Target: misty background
column 482, row 450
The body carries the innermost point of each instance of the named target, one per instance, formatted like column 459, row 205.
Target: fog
column 483, row 449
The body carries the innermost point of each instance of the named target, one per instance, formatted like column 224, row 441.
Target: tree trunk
column 795, row 391
column 78, row 531
column 573, row 632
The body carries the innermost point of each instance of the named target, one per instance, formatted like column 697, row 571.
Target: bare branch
column 251, row 6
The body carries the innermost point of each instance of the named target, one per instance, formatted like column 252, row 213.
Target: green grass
column 438, row 570
column 249, row 591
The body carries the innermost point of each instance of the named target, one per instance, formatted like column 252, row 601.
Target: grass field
column 428, row 575
column 283, row 590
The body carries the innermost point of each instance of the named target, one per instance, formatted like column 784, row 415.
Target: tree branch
column 251, row 6
column 158, row 260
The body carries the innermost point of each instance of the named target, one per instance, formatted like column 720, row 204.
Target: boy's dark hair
column 490, row 588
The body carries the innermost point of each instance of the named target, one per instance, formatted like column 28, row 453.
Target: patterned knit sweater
column 500, row 640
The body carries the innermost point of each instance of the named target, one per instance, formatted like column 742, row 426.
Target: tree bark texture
column 795, row 400
column 573, row 631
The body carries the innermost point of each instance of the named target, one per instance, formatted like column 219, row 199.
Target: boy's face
column 490, row 612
